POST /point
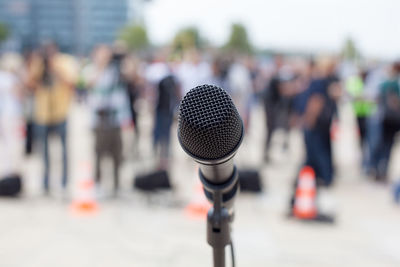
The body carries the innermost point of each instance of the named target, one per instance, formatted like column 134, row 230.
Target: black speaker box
column 250, row 181
column 10, row 186
column 154, row 181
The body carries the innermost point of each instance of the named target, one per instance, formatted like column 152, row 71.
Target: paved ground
column 137, row 230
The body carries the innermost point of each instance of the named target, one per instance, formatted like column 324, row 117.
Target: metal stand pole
column 219, row 257
column 220, row 216
column 218, row 230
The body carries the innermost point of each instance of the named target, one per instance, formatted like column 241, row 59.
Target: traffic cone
column 85, row 202
column 305, row 198
column 199, row 205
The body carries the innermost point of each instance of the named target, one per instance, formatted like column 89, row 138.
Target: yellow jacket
column 52, row 103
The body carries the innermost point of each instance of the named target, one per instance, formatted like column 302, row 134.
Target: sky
column 305, row 25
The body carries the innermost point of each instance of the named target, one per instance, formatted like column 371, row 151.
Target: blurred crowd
column 38, row 87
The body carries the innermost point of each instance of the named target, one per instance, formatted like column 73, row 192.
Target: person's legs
column 387, row 144
column 98, row 168
column 100, row 144
column 165, row 134
column 116, row 153
column 42, row 133
column 374, row 139
column 116, row 163
column 318, row 156
column 156, row 131
column 29, row 137
column 134, row 116
column 62, row 131
column 362, row 126
column 326, row 159
column 285, row 117
column 311, row 149
column 271, row 127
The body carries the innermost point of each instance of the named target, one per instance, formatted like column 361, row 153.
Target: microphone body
column 217, row 173
column 210, row 130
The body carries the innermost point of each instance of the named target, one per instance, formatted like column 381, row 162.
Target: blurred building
column 76, row 25
column 98, row 21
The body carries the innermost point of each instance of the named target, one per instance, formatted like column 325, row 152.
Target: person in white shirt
column 11, row 116
column 193, row 71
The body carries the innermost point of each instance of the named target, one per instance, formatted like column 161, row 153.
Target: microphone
column 210, row 130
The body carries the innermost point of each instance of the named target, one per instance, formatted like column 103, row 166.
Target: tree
column 4, row 32
column 238, row 40
column 350, row 50
column 187, row 38
column 135, row 37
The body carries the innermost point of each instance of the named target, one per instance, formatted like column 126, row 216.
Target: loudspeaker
column 250, row 181
column 10, row 186
column 154, row 181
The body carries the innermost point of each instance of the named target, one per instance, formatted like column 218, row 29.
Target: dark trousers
column 271, row 115
column 134, row 115
column 162, row 132
column 277, row 117
column 43, row 133
column 319, row 155
column 385, row 150
column 362, row 127
column 29, row 137
column 374, row 138
column 108, row 143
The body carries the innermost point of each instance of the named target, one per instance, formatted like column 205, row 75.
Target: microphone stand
column 219, row 217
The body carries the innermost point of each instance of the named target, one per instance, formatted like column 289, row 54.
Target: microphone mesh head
column 209, row 127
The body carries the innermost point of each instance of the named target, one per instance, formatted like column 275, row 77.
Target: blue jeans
column 162, row 132
column 319, row 154
column 43, row 133
column 374, row 138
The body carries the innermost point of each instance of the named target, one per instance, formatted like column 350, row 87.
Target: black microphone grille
column 209, row 127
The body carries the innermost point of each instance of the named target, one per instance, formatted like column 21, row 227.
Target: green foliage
column 187, row 38
column 4, row 32
column 238, row 40
column 350, row 50
column 135, row 37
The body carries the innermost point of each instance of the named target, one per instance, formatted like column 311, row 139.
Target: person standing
column 135, row 85
column 277, row 104
column 317, row 116
column 28, row 102
column 240, row 88
column 52, row 76
column 110, row 108
column 389, row 102
column 193, row 71
column 167, row 102
column 323, row 93
column 372, row 84
column 11, row 115
column 362, row 109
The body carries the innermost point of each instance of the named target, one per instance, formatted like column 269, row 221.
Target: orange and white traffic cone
column 199, row 205
column 85, row 202
column 305, row 198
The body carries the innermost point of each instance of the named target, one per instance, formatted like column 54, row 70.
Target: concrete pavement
column 135, row 230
